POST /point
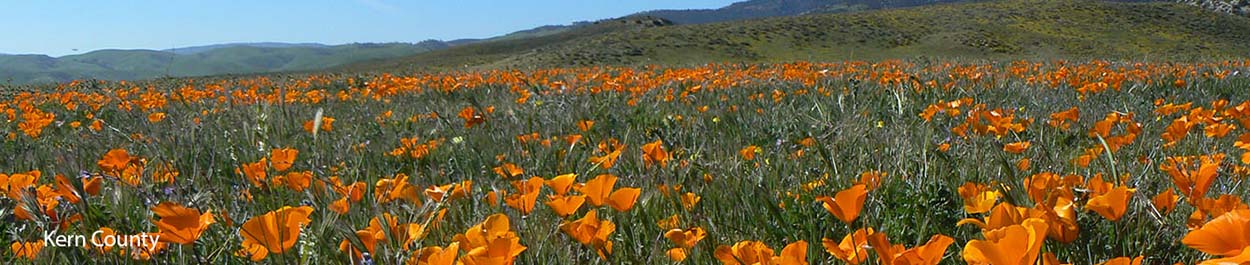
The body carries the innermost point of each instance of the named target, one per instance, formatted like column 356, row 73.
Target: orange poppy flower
column 27, row 250
column 281, row 159
column 852, row 249
column 689, row 199
column 598, row 189
column 792, row 254
column 340, row 206
column 274, row 232
column 461, row 190
column 565, row 205
column 114, row 161
column 91, row 185
column 585, row 125
column 686, row 238
column 156, row 117
column 748, row 153
column 562, row 183
column 1016, row 147
column 611, row 152
column 1113, row 204
column 1193, row 183
column 1227, row 235
column 847, row 204
column 591, row 231
column 471, row 117
column 929, row 253
column 653, row 153
column 1123, row 261
column 179, row 224
column 677, row 254
column 1165, row 201
column 21, row 182
column 527, row 196
column 366, row 238
column 1242, row 258
column 623, row 199
column 745, row 252
column 1015, row 244
column 509, row 170
column 978, row 198
column 435, row 255
column 294, row 180
column 490, row 242
column 256, row 172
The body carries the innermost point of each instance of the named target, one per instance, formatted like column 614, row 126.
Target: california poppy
column 527, row 196
column 471, row 117
column 1227, row 235
column 654, row 153
column 114, row 161
column 1015, row 244
column 748, row 153
column 27, row 250
column 434, row 255
column 490, row 242
column 281, row 159
column 1165, row 201
column 156, row 117
column 509, row 170
column 686, row 238
column 929, row 253
column 179, row 224
column 562, row 183
column 611, row 150
column 598, row 189
column 1113, row 204
column 274, row 232
column 977, row 197
column 1123, row 261
column 853, row 248
column 623, row 199
column 366, row 238
column 1016, row 147
column 256, row 172
column 565, row 205
column 745, row 252
column 591, row 231
column 792, row 254
column 847, row 204
column 585, row 125
column 689, row 199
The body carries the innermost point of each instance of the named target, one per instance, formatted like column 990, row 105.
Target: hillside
column 753, row 9
column 488, row 53
column 199, row 61
column 205, row 48
column 1000, row 29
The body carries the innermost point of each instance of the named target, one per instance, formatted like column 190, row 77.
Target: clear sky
column 61, row 27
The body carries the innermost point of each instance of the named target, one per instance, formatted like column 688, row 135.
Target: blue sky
column 59, row 27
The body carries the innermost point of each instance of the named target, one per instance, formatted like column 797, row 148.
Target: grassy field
column 776, row 163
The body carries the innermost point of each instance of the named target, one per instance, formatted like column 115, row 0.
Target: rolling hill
column 195, row 61
column 997, row 29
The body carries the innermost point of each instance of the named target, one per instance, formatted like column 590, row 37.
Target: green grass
column 859, row 126
column 147, row 64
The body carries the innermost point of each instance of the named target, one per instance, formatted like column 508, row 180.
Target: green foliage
column 147, row 64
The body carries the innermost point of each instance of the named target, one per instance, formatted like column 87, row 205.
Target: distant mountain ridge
column 205, row 48
column 196, row 61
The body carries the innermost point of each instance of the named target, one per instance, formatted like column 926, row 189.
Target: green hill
column 232, row 59
column 999, row 29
